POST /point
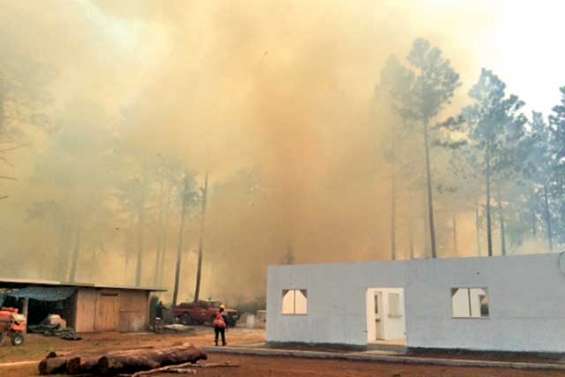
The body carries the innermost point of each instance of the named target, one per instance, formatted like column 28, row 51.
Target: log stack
column 120, row 362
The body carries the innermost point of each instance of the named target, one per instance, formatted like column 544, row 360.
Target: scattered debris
column 177, row 327
column 55, row 319
column 185, row 368
column 67, row 333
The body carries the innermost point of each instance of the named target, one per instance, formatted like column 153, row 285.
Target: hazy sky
column 283, row 87
column 525, row 47
column 518, row 39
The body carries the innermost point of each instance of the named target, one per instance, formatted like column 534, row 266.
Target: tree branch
column 8, row 178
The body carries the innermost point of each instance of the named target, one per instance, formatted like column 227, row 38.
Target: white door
column 385, row 314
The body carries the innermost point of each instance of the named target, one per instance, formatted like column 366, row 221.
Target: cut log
column 82, row 364
column 142, row 360
column 52, row 365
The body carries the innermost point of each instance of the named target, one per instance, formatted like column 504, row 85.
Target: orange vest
column 219, row 321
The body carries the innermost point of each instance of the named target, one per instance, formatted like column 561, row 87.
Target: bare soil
column 292, row 367
column 258, row 366
column 37, row 346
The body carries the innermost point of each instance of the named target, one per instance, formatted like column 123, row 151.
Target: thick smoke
column 274, row 99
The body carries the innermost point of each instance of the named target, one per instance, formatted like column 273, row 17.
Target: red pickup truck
column 202, row 312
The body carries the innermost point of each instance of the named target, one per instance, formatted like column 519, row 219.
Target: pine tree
column 495, row 127
column 429, row 84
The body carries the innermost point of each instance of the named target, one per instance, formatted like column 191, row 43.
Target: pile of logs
column 136, row 362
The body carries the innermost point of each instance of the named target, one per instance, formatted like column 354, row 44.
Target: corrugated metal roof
column 44, row 293
column 40, row 282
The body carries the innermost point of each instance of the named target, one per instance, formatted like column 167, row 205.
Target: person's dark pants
column 222, row 331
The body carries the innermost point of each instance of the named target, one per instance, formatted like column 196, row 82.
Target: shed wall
column 134, row 310
column 527, row 302
column 111, row 310
column 107, row 310
column 85, row 310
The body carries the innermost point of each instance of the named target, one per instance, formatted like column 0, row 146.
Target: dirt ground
column 37, row 346
column 258, row 366
column 250, row 366
column 292, row 367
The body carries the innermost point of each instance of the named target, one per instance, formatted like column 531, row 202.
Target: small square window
column 470, row 303
column 294, row 301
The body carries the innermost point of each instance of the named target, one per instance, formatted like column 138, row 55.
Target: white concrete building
column 514, row 303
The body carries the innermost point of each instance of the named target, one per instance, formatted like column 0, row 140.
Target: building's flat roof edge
column 417, row 260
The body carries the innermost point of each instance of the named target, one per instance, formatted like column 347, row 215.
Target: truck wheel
column 17, row 339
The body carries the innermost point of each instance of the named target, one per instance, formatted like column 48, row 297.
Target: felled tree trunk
column 117, row 362
column 82, row 364
column 139, row 360
column 53, row 365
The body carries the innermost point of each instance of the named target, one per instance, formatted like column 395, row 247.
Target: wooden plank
column 107, row 311
column 134, row 311
column 85, row 310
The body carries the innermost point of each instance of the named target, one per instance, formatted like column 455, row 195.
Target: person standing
column 220, row 325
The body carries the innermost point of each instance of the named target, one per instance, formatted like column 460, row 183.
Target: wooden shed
column 86, row 307
column 111, row 309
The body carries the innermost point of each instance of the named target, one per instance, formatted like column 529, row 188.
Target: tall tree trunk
column 75, row 255
column 501, row 221
column 140, row 232
column 426, row 231
column 201, row 239
column 429, row 189
column 164, row 238
column 164, row 246
column 139, row 265
column 478, row 229
column 488, row 211
column 128, row 241
column 63, row 252
column 548, row 227
column 392, row 216
column 180, row 245
column 158, row 249
column 454, row 222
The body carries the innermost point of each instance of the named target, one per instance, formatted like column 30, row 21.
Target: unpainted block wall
column 527, row 302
